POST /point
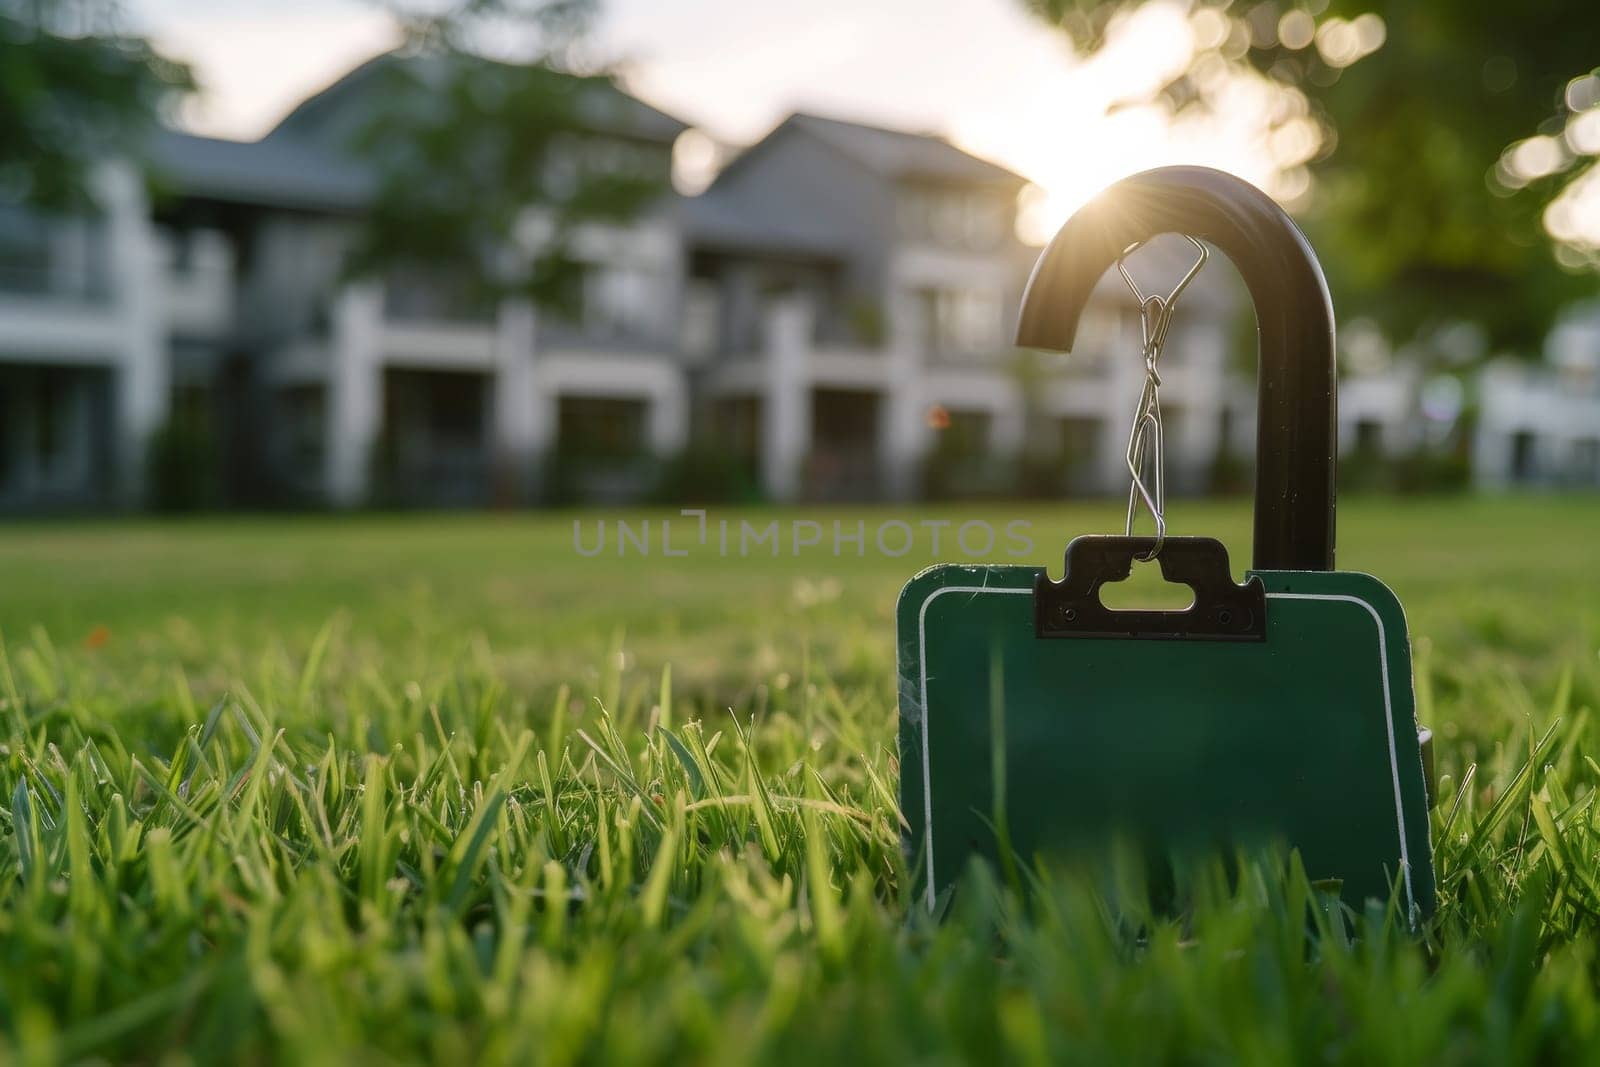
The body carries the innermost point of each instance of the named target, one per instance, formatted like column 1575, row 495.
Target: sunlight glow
column 1574, row 217
column 1078, row 125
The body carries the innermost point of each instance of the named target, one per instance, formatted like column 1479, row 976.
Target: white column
column 545, row 397
column 1008, row 422
column 1488, row 451
column 904, row 434
column 142, row 387
column 355, row 393
column 514, row 428
column 1491, row 440
column 669, row 414
column 786, row 414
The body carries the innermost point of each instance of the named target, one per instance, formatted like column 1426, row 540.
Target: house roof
column 343, row 104
column 901, row 154
column 727, row 216
column 281, row 172
column 302, row 163
column 716, row 224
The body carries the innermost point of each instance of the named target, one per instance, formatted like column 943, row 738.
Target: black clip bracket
column 1222, row 610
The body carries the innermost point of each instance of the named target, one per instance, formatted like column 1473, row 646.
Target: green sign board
column 1306, row 736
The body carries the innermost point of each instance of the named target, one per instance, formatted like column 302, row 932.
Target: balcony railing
column 52, row 258
column 46, row 281
column 414, row 300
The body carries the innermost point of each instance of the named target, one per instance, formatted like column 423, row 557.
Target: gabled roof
column 309, row 115
column 283, row 172
column 900, row 154
column 303, row 163
column 344, row 104
column 715, row 224
column 726, row 215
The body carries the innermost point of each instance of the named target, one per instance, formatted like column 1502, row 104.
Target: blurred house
column 1539, row 424
column 802, row 318
column 220, row 312
column 84, row 363
column 401, row 389
column 831, row 317
column 851, row 299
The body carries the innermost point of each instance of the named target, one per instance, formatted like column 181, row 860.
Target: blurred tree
column 486, row 165
column 1447, row 140
column 74, row 88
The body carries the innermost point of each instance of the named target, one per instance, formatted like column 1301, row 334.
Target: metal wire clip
column 1146, row 441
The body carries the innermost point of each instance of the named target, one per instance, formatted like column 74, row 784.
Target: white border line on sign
column 1388, row 718
column 922, row 667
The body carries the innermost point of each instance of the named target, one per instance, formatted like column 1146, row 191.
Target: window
column 700, row 330
column 965, row 320
column 302, row 413
column 985, row 221
column 1080, row 439
column 622, row 301
column 1586, row 460
column 955, row 218
column 429, row 409
column 736, row 427
column 40, row 256
column 948, row 219
column 455, row 411
column 25, row 251
column 49, row 436
column 1524, row 456
column 965, row 433
column 51, row 414
column 415, row 295
column 601, row 427
column 1369, row 437
column 574, row 160
column 844, row 420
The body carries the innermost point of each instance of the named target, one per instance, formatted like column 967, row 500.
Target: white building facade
column 87, row 307
column 1540, row 424
column 831, row 319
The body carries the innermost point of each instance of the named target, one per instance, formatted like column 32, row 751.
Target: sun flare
column 1101, row 123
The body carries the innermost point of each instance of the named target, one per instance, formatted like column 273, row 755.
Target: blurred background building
column 829, row 319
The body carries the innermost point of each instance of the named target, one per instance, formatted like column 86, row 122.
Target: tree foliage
column 487, row 165
column 1446, row 130
column 74, row 88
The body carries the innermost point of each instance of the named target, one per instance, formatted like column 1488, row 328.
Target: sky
column 983, row 73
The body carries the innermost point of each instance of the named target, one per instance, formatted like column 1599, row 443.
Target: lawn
column 445, row 788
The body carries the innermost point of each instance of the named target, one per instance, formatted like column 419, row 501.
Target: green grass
column 386, row 789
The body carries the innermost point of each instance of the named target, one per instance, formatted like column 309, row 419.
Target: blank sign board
column 1304, row 736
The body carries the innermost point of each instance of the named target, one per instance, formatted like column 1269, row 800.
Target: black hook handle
column 1297, row 427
